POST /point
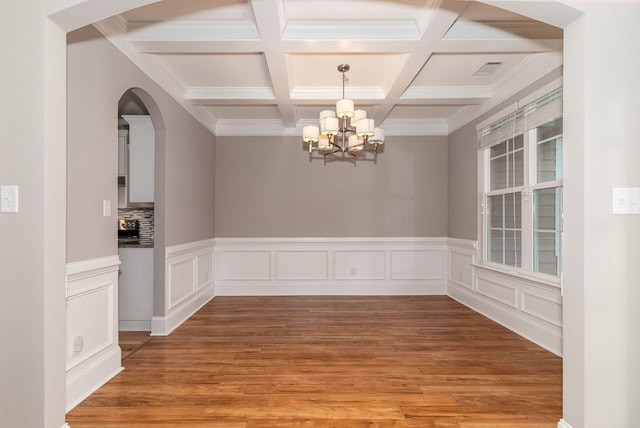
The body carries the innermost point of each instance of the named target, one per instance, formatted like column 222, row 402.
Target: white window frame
column 527, row 203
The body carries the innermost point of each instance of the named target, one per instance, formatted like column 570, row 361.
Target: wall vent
column 488, row 69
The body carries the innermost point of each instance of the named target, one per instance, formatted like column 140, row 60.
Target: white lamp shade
column 310, row 134
column 355, row 143
column 344, row 108
column 378, row 136
column 365, row 127
column 327, row 113
column 357, row 115
column 329, row 126
column 323, row 142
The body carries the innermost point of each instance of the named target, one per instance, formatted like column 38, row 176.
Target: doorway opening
column 136, row 221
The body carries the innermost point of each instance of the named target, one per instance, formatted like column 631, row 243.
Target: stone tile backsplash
column 145, row 219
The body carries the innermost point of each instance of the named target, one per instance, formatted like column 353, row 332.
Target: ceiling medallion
column 345, row 132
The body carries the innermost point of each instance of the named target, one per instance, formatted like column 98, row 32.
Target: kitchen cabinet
column 141, row 171
column 135, row 289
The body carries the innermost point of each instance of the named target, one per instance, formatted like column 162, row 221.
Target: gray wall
column 463, row 183
column 98, row 75
column 266, row 187
column 32, row 241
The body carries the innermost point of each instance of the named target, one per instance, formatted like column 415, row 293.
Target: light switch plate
column 106, row 208
column 625, row 200
column 8, row 199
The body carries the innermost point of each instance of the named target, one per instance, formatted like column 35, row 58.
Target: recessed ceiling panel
column 459, row 69
column 354, row 9
column 241, row 70
column 366, row 70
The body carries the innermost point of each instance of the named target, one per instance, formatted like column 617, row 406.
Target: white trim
column 331, row 266
column 163, row 326
column 563, row 424
column 524, row 305
column 91, row 268
column 91, row 287
column 92, row 376
column 180, row 249
column 189, row 284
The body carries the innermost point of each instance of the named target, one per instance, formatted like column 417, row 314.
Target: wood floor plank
column 249, row 362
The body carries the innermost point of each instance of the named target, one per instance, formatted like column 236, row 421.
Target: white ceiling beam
column 73, row 14
column 550, row 12
column 419, row 53
column 270, row 21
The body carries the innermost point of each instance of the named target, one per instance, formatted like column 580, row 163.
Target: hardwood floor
column 246, row 362
column 131, row 341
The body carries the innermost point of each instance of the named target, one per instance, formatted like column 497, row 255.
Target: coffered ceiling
column 267, row 67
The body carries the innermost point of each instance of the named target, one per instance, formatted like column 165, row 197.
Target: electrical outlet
column 9, row 199
column 78, row 344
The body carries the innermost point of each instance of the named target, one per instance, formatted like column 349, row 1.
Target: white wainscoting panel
column 302, row 265
column 525, row 305
column 93, row 354
column 417, row 264
column 330, row 266
column 497, row 289
column 355, row 264
column 248, row 265
column 189, row 276
column 182, row 282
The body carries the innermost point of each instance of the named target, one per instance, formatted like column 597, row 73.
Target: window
column 521, row 164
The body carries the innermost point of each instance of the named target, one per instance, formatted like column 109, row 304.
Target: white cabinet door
column 122, row 151
column 141, row 158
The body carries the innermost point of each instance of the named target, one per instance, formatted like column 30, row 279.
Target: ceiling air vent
column 489, row 68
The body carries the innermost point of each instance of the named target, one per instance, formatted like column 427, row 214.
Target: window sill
column 540, row 278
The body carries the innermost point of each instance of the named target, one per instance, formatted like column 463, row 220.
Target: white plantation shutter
column 540, row 111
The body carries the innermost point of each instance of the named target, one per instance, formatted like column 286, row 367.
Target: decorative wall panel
column 93, row 354
column 528, row 306
column 330, row 266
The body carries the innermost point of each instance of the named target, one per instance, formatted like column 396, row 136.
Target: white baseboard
column 330, row 266
column 163, row 326
column 563, row 424
column 86, row 379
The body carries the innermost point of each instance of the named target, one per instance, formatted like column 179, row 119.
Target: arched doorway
column 140, row 132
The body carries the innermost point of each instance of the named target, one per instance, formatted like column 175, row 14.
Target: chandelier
column 344, row 131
